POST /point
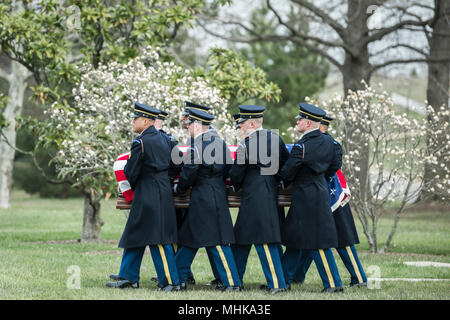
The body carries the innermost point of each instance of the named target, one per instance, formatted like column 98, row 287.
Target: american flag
column 339, row 191
column 124, row 185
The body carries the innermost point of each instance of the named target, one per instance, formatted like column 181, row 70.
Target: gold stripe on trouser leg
column 225, row 264
column 327, row 268
column 271, row 267
column 166, row 266
column 355, row 265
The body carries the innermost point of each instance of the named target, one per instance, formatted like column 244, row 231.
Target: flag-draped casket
column 339, row 191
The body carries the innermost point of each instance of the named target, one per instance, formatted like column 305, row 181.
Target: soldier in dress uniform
column 159, row 122
column 191, row 105
column 152, row 219
column 174, row 170
column 257, row 222
column 208, row 223
column 347, row 235
column 184, row 211
column 236, row 118
column 309, row 228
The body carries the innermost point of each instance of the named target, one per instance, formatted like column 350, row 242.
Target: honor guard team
column 308, row 231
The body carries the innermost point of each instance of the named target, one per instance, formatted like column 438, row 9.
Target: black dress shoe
column 298, row 282
column 183, row 286
column 219, row 287
column 332, row 290
column 265, row 287
column 170, row 288
column 358, row 285
column 276, row 290
column 214, row 282
column 191, row 280
column 231, row 288
column 122, row 284
column 115, row 277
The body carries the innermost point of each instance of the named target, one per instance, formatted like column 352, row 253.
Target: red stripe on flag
column 120, row 175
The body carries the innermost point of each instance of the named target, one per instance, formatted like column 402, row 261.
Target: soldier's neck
column 254, row 130
column 198, row 134
column 308, row 131
column 145, row 129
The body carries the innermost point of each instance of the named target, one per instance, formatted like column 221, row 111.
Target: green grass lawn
column 37, row 249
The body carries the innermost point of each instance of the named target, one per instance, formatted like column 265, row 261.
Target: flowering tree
column 366, row 122
column 238, row 79
column 52, row 40
column 98, row 128
column 47, row 40
column 438, row 142
column 396, row 149
column 91, row 133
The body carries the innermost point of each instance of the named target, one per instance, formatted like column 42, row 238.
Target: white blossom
column 98, row 127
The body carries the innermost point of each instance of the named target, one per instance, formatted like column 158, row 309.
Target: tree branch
column 16, row 58
column 324, row 16
column 317, row 50
column 303, row 36
column 35, row 162
column 400, row 45
column 268, row 38
column 174, row 33
column 381, row 33
column 405, row 61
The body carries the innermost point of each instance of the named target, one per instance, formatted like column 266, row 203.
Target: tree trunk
column 356, row 64
column 356, row 69
column 17, row 76
column 92, row 222
column 438, row 74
